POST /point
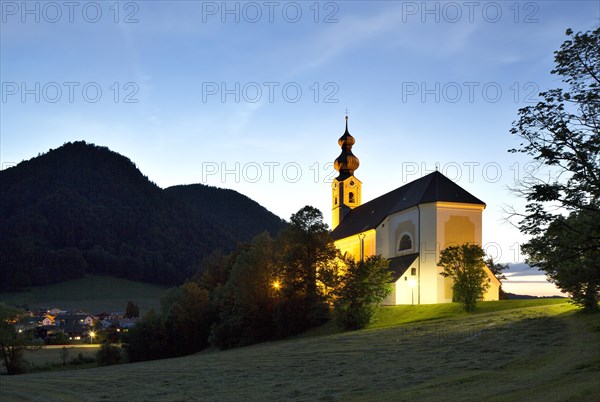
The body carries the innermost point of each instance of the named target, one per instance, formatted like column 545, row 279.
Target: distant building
column 48, row 320
column 409, row 226
column 90, row 320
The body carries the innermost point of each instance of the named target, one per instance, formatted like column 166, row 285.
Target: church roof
column 431, row 188
column 399, row 265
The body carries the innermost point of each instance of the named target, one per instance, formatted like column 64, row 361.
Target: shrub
column 108, row 355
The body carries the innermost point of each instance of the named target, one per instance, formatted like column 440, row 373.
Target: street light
column 92, row 336
column 276, row 286
column 412, row 282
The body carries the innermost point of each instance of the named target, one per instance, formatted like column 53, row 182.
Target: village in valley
column 59, row 327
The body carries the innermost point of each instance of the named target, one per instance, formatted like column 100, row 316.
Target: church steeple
column 346, row 163
column 346, row 189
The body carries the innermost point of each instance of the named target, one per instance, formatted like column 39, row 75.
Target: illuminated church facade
column 409, row 225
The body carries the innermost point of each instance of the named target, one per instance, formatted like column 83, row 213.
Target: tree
column 147, row 339
column 181, row 327
column 132, row 310
column 561, row 133
column 307, row 253
column 362, row 287
column 246, row 303
column 214, row 270
column 12, row 342
column 464, row 264
column 184, row 319
column 108, row 355
column 565, row 256
column 276, row 288
column 64, row 355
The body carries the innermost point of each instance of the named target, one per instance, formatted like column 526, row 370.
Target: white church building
column 409, row 225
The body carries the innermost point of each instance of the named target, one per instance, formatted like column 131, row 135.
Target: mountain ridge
column 82, row 208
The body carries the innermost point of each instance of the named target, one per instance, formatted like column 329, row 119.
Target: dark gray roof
column 431, row 188
column 72, row 328
column 399, row 265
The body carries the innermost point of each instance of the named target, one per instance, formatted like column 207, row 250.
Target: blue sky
column 252, row 95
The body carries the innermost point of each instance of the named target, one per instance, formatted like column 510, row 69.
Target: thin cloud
column 390, row 28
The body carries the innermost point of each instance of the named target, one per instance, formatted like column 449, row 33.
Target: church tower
column 345, row 189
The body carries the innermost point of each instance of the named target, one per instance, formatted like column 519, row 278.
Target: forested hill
column 237, row 213
column 83, row 209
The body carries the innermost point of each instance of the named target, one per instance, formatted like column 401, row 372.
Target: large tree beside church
column 361, row 289
column 562, row 134
column 307, row 257
column 465, row 265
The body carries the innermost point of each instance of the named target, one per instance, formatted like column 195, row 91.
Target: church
column 409, row 225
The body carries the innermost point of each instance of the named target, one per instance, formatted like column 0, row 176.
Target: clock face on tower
column 351, row 183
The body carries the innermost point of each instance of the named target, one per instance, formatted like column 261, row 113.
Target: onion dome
column 346, row 163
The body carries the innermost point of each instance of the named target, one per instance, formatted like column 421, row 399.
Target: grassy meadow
column 521, row 350
column 49, row 358
column 91, row 294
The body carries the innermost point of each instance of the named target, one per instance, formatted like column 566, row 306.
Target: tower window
column 351, row 197
column 405, row 243
column 335, row 200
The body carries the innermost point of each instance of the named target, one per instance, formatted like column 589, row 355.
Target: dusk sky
column 252, row 95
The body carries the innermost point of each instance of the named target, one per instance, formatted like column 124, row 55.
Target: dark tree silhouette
column 562, row 133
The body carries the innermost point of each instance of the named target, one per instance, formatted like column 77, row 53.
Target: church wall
column 383, row 238
column 407, row 291
column 429, row 255
column 389, row 234
column 351, row 244
column 456, row 224
column 493, row 292
column 370, row 243
column 402, row 291
column 399, row 224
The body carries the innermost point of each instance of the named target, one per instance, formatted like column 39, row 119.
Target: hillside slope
column 83, row 209
column 239, row 215
column 537, row 353
column 91, row 293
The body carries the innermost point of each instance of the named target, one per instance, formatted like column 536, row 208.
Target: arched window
column 335, row 200
column 351, row 197
column 405, row 243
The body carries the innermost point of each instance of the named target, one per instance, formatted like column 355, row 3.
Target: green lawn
column 390, row 316
column 396, row 315
column 515, row 351
column 90, row 294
